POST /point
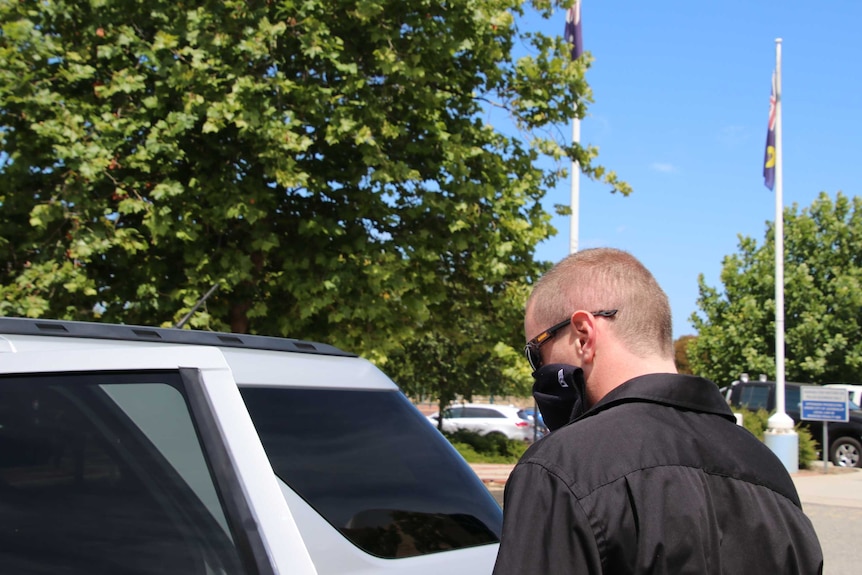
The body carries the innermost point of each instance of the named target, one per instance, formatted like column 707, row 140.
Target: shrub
column 807, row 447
column 757, row 422
column 491, row 448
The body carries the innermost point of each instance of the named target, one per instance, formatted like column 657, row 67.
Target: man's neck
column 612, row 370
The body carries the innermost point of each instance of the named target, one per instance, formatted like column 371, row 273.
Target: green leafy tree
column 330, row 165
column 467, row 357
column 822, row 295
column 680, row 353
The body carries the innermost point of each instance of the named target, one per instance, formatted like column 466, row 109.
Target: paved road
column 833, row 502
column 840, row 533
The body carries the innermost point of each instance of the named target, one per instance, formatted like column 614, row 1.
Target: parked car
column 535, row 417
column 845, row 438
column 854, row 391
column 487, row 419
column 129, row 449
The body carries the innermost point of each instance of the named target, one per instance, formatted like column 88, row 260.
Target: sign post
column 823, row 404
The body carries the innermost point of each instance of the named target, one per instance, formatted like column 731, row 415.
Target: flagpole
column 574, row 37
column 779, row 242
column 780, row 435
column 576, row 189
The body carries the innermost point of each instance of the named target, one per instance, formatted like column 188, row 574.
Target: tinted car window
column 754, row 397
column 483, row 412
column 371, row 465
column 453, row 412
column 105, row 474
column 792, row 397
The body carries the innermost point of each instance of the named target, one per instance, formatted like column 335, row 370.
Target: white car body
column 854, row 391
column 282, row 531
column 487, row 418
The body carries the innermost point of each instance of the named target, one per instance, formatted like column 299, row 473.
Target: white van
column 854, row 391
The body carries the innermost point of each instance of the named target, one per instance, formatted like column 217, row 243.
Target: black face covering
column 559, row 393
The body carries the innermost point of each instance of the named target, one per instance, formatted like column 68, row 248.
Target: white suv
column 127, row 449
column 487, row 419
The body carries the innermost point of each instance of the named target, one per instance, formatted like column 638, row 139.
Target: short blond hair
column 605, row 279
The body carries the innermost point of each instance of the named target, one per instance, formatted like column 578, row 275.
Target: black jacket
column 655, row 478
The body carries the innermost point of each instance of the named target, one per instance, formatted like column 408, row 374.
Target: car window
column 484, row 412
column 524, row 414
column 370, row 464
column 451, row 412
column 105, row 474
column 792, row 397
column 754, row 397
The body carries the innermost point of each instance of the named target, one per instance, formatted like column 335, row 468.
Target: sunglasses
column 532, row 349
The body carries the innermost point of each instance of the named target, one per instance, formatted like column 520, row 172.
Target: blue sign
column 822, row 404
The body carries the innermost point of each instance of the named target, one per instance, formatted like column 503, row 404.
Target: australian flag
column 573, row 30
column 769, row 156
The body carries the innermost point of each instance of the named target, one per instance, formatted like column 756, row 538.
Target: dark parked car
column 845, row 438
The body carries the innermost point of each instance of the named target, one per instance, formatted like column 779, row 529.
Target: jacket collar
column 671, row 389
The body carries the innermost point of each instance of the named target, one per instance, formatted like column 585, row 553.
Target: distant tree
column 822, row 295
column 468, row 358
column 331, row 165
column 680, row 347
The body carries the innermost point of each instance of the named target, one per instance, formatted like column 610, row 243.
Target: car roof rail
column 123, row 332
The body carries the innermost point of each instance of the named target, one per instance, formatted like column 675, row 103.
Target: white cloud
column 663, row 167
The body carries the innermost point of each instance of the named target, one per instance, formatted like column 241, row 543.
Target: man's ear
column 584, row 332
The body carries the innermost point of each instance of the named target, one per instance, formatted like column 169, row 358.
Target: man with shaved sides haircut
column 645, row 470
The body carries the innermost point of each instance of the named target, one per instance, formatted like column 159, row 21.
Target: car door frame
column 252, row 496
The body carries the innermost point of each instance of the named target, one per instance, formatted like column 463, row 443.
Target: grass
column 492, row 448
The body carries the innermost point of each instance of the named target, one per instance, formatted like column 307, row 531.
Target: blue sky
column 681, row 90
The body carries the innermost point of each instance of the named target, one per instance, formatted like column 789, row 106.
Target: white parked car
column 487, row 419
column 127, row 449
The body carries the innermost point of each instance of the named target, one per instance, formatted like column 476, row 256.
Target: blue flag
column 573, row 30
column 769, row 156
